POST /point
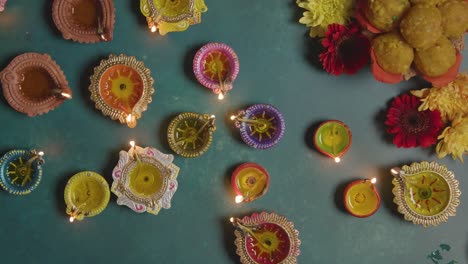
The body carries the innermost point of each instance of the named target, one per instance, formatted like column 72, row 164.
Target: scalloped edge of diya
column 265, row 217
column 103, row 32
column 238, row 191
column 220, row 87
column 177, row 24
column 346, row 203
column 11, row 78
column 399, row 192
column 72, row 210
column 339, row 155
column 246, row 137
column 37, row 160
column 146, row 97
column 180, row 117
column 120, row 185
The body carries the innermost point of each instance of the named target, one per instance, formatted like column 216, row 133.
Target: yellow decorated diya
column 361, row 198
column 250, row 181
column 86, row 194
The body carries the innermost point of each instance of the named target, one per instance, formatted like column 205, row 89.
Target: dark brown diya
column 85, row 21
column 34, row 84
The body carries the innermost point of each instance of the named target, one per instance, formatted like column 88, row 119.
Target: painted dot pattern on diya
column 86, row 194
column 250, row 181
column 190, row 134
column 261, row 125
column 361, row 198
column 21, row 171
column 333, row 138
column 216, row 66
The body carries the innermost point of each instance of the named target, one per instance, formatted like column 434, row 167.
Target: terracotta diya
column 2, row 5
column 84, row 21
column 216, row 66
column 250, row 181
column 145, row 179
column 333, row 138
column 86, row 194
column 122, row 88
column 266, row 238
column 261, row 125
column 34, row 84
column 426, row 193
column 172, row 15
column 21, row 171
column 191, row 134
column 361, row 198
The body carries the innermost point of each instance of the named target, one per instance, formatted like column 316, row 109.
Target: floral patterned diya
column 145, row 179
column 172, row 15
column 34, row 84
column 426, row 193
column 21, row 171
column 361, row 198
column 191, row 134
column 250, row 181
column 333, row 139
column 86, row 194
column 261, row 125
column 122, row 88
column 85, row 21
column 216, row 66
column 266, row 238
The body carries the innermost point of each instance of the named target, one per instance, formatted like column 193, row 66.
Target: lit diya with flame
column 122, row 88
column 361, row 198
column 250, row 181
column 333, row 138
column 266, row 238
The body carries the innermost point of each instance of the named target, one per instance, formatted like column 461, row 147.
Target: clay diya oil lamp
column 426, row 193
column 250, row 181
column 216, row 66
column 122, row 88
column 261, row 125
column 34, row 84
column 21, row 171
column 86, row 195
column 172, row 15
column 84, row 21
column 191, row 134
column 2, row 5
column 266, row 238
column 333, row 138
column 145, row 179
column 361, row 198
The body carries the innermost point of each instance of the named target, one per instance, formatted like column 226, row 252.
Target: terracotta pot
column 85, row 21
column 34, row 84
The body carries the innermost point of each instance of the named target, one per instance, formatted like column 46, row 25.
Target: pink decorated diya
column 85, row 21
column 266, row 238
column 122, row 88
column 2, row 5
column 34, row 84
column 250, row 181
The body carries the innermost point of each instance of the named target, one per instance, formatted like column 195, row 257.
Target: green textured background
column 277, row 66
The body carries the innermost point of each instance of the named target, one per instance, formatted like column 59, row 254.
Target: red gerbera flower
column 411, row 127
column 347, row 49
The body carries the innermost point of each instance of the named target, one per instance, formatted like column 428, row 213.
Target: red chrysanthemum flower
column 412, row 128
column 347, row 49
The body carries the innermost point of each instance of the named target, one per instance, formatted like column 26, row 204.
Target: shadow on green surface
column 379, row 120
column 339, row 195
column 227, row 180
column 385, row 187
column 228, row 239
column 188, row 64
column 47, row 15
column 134, row 6
column 59, row 192
column 84, row 82
column 162, row 132
column 310, row 133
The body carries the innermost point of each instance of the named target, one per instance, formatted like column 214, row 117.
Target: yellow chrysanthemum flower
column 454, row 139
column 321, row 13
column 451, row 100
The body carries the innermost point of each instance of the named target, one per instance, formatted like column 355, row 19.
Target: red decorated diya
column 250, row 181
column 34, row 84
column 266, row 238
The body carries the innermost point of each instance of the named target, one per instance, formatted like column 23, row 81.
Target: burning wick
column 337, row 159
column 153, row 29
column 373, row 180
column 220, row 96
column 233, row 117
column 134, row 151
column 239, row 199
column 39, row 154
column 72, row 219
column 66, row 95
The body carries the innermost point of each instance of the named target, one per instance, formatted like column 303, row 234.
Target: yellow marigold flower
column 454, row 139
column 450, row 100
column 321, row 13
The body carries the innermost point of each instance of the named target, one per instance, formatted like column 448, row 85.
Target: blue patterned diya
column 21, row 171
column 261, row 125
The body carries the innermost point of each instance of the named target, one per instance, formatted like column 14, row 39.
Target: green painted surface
column 276, row 68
